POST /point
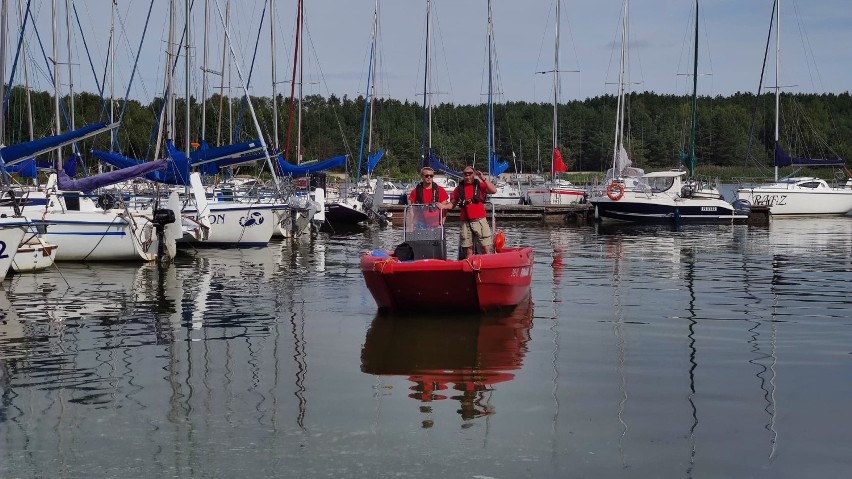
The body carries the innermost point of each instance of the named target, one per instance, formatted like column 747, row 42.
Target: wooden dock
column 583, row 214
column 554, row 214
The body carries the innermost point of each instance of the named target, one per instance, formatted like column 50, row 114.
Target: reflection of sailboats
column 443, row 354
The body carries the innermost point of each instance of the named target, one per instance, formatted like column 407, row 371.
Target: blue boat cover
column 495, row 166
column 373, row 160
column 24, row 169
column 288, row 169
column 176, row 172
column 15, row 153
column 783, row 159
column 94, row 182
column 205, row 154
column 433, row 162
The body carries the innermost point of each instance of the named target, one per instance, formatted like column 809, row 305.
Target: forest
column 733, row 132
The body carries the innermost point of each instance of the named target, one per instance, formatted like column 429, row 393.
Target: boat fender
column 379, row 254
column 615, row 191
column 499, row 241
column 686, row 191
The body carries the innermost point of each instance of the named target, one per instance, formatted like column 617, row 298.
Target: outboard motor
column 161, row 218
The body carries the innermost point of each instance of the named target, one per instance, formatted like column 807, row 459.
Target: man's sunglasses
column 428, row 176
column 468, row 173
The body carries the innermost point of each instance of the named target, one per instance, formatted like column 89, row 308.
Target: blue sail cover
column 373, row 160
column 70, row 166
column 13, row 154
column 433, row 162
column 94, row 182
column 497, row 167
column 288, row 169
column 783, row 159
column 24, row 169
column 176, row 172
column 205, row 154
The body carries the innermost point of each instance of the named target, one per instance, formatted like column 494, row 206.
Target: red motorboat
column 417, row 276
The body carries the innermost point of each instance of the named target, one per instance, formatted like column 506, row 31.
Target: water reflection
column 457, row 358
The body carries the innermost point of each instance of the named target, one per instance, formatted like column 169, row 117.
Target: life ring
column 615, row 191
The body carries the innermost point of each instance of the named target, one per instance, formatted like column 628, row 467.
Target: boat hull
column 799, row 201
column 34, row 255
column 235, row 224
column 480, row 283
column 12, row 231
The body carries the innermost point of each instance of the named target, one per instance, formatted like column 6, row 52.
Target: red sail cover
column 558, row 164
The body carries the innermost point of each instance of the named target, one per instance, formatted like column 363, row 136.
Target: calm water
column 644, row 352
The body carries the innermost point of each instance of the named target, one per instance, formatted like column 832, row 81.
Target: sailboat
column 630, row 194
column 799, row 195
column 558, row 191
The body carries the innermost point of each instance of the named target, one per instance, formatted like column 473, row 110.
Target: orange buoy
column 615, row 191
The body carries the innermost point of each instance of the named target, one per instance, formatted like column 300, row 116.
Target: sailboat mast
column 57, row 123
column 25, row 61
column 373, row 69
column 114, row 132
column 3, row 29
column 619, row 116
column 555, row 125
column 367, row 99
column 272, row 24
column 490, row 134
column 777, row 78
column 690, row 166
column 69, row 5
column 204, row 71
column 426, row 137
column 301, row 48
column 186, row 80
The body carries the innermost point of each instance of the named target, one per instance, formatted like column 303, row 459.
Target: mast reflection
column 450, row 357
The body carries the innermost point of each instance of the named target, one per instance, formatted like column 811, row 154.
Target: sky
column 815, row 36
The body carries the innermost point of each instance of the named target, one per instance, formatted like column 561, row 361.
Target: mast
column 204, row 71
column 301, row 83
column 57, row 124
column 3, row 29
column 368, row 99
column 691, row 160
column 555, row 92
column 113, row 133
column 619, row 117
column 186, row 80
column 26, row 78
column 777, row 78
column 373, row 68
column 490, row 126
column 426, row 136
column 69, row 5
column 272, row 24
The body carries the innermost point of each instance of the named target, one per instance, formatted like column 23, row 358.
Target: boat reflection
column 450, row 357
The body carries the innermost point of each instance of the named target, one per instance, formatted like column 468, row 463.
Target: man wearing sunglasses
column 428, row 193
column 470, row 197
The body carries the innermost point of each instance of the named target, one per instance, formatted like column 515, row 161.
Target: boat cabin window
column 659, row 184
column 809, row 184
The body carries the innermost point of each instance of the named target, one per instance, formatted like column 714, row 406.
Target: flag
column 558, row 164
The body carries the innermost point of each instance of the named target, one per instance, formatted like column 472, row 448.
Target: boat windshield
column 423, row 222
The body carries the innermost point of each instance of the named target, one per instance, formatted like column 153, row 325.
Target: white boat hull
column 234, row 224
column 795, row 200
column 555, row 196
column 12, row 231
column 34, row 255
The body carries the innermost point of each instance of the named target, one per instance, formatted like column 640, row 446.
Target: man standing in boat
column 470, row 197
column 428, row 193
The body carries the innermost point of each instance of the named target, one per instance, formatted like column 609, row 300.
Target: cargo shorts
column 478, row 228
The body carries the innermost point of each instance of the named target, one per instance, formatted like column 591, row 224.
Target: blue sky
column 815, row 46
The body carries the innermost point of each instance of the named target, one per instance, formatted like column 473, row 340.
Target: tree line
column 732, row 131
